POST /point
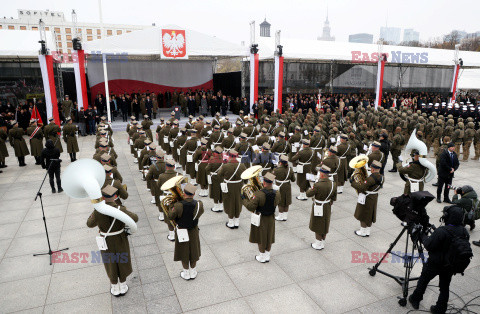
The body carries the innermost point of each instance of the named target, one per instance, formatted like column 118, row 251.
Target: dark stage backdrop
column 229, row 83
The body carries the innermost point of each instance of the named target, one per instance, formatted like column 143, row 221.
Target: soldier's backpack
column 459, row 253
column 474, row 212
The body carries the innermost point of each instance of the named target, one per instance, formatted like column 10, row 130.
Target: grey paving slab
column 288, row 299
column 233, row 306
column 330, row 293
column 100, row 303
column 218, row 284
column 157, row 290
column 35, row 288
column 32, row 244
column 254, row 277
column 164, row 305
column 37, row 227
column 25, row 266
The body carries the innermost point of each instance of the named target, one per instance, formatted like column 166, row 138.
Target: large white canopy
column 149, row 42
column 22, row 43
column 469, row 79
column 303, row 49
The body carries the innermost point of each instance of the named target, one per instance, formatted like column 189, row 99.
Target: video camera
column 411, row 209
column 451, row 187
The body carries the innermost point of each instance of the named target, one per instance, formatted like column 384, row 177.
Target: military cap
column 216, row 127
column 172, row 113
column 226, row 118
column 250, row 120
column 376, row 144
column 170, row 163
column 284, row 158
column 107, row 168
column 344, row 136
column 266, row 146
column 267, row 119
column 243, row 135
column 305, row 141
column 269, row 177
column 238, row 122
column 233, row 153
column 51, row 119
column 175, row 122
column 193, row 130
column 134, row 122
column 241, row 112
column 147, row 142
column 132, row 117
column 145, row 116
column 230, row 130
column 264, row 130
column 333, row 149
column 183, row 130
column 109, row 191
column 201, row 117
column 208, row 122
column 281, row 134
column 281, row 121
column 68, row 119
column 190, row 117
column 152, row 146
column 204, row 141
column 103, row 118
column 189, row 189
column 159, row 151
column 167, row 122
column 298, row 128
column 217, row 114
column 103, row 144
column 316, row 129
column 376, row 164
column 162, row 119
column 105, row 157
column 325, row 169
column 218, row 150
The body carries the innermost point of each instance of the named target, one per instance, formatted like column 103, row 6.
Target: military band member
column 230, row 173
column 324, row 193
column 130, row 124
column 189, row 124
column 36, row 140
column 200, row 158
column 206, row 132
column 476, row 144
column 52, row 131
column 162, row 178
column 228, row 142
column 304, row 157
column 265, row 158
column 280, row 128
column 342, row 152
column 281, row 147
column 333, row 162
column 225, row 125
column 396, row 148
column 105, row 159
column 146, row 124
column 414, row 174
column 104, row 149
column 117, row 243
column 244, row 150
column 154, row 171
column 376, row 154
column 186, row 213
column 109, row 180
column 70, row 137
column 238, row 129
column 251, row 131
column 213, row 166
column 139, row 144
column 240, row 119
column 15, row 136
column 284, row 176
column 67, row 107
column 188, row 150
column 148, row 155
column 295, row 141
column 366, row 210
column 216, row 137
column 3, row 148
column 262, row 138
column 264, row 203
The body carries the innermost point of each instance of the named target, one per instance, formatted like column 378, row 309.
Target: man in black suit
column 385, row 149
column 149, row 106
column 446, row 169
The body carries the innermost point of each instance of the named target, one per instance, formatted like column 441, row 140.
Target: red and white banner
column 80, row 81
column 456, row 69
column 46, row 66
column 278, row 83
column 253, row 79
column 381, row 68
column 174, row 44
column 36, row 115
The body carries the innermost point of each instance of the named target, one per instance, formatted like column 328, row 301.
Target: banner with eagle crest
column 174, row 44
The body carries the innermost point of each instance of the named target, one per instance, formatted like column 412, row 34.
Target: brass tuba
column 415, row 143
column 360, row 173
column 172, row 185
column 252, row 175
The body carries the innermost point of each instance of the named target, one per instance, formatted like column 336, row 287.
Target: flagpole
column 104, row 61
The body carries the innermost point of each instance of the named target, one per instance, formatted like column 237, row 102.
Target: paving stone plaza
column 297, row 279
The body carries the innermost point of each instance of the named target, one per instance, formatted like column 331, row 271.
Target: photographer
column 467, row 198
column 438, row 247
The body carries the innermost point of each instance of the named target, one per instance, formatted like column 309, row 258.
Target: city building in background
column 62, row 28
column 390, row 34
column 362, row 38
column 410, row 35
column 265, row 28
column 326, row 31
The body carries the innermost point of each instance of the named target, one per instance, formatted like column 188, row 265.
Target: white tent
column 149, row 42
column 316, row 50
column 22, row 43
column 469, row 79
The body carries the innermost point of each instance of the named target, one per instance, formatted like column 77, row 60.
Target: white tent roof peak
column 148, row 42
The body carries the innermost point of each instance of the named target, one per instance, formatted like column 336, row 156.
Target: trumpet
column 252, row 174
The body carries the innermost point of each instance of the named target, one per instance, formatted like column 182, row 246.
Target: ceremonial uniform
column 70, row 138
column 154, row 171
column 230, row 173
column 324, row 192
column 414, row 172
column 3, row 148
column 342, row 173
column 305, row 158
column 15, row 136
column 367, row 213
column 51, row 132
column 36, row 142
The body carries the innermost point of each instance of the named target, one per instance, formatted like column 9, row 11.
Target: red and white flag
column 80, row 81
column 456, row 69
column 379, row 89
column 46, row 66
column 36, row 115
column 278, row 83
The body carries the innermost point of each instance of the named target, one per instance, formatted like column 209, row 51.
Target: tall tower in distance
column 326, row 31
column 265, row 28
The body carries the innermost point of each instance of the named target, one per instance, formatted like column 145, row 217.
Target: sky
column 229, row 19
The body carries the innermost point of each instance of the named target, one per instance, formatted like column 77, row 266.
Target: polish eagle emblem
column 174, row 43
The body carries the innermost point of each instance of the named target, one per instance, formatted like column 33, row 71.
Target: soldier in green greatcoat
column 70, row 137
column 15, row 136
column 36, row 140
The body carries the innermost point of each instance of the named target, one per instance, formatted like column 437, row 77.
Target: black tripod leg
column 373, row 270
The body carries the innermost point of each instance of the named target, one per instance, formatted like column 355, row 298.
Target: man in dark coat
column 446, row 169
column 50, row 160
column 385, row 149
column 149, row 106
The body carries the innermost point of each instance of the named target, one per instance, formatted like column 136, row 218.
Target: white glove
column 400, row 158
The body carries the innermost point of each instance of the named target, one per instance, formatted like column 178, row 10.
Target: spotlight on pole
column 43, row 37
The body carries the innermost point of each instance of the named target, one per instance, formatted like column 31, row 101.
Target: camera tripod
column 408, row 261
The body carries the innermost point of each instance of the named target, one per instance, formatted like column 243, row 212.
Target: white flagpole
column 104, row 60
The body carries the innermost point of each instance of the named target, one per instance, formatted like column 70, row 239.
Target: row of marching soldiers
column 214, row 155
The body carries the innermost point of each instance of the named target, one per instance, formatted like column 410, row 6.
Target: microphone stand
column 39, row 194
